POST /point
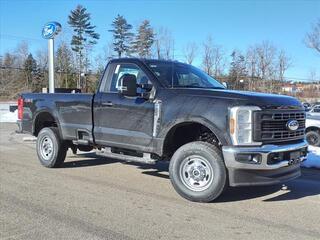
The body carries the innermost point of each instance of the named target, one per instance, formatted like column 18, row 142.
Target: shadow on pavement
column 90, row 159
column 234, row 194
column 307, row 185
column 160, row 169
column 297, row 189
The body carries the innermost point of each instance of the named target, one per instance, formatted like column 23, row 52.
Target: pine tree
column 38, row 80
column 34, row 75
column 122, row 35
column 84, row 35
column 30, row 66
column 144, row 40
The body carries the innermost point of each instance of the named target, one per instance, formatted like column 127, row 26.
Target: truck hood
column 263, row 100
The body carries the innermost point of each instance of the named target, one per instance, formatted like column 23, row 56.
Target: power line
column 16, row 37
column 43, row 70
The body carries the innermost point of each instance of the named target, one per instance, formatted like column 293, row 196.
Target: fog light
column 249, row 158
column 256, row 159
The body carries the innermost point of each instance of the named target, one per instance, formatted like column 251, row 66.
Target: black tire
column 313, row 138
column 212, row 159
column 51, row 150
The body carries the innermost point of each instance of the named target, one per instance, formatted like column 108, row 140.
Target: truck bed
column 72, row 111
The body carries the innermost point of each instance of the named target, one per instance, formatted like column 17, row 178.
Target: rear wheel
column 197, row 172
column 51, row 150
column 313, row 138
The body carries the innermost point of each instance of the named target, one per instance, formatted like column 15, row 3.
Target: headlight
column 241, row 125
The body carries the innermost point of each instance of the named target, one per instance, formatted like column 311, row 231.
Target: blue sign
column 50, row 30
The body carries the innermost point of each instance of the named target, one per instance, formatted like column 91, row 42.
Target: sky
column 232, row 24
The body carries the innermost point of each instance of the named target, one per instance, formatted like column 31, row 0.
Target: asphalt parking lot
column 95, row 198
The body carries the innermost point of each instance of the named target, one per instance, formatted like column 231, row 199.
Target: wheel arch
column 44, row 118
column 312, row 128
column 190, row 125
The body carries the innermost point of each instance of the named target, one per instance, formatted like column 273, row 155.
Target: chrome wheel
column 46, row 148
column 196, row 173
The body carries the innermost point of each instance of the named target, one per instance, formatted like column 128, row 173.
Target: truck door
column 122, row 121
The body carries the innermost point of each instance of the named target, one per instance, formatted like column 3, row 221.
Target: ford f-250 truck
column 152, row 110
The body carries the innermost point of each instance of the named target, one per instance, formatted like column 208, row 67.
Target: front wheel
column 51, row 150
column 197, row 172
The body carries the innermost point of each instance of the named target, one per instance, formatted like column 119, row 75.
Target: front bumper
column 248, row 174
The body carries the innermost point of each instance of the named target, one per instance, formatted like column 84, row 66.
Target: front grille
column 271, row 126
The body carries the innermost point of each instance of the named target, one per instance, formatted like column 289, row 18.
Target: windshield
column 179, row 75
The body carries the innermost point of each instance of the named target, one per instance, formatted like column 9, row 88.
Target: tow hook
column 294, row 161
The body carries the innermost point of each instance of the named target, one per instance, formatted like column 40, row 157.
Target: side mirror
column 225, row 84
column 128, row 85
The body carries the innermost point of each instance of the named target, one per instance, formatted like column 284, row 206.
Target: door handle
column 107, row 104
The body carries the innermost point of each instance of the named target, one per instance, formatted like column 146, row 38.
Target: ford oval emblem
column 51, row 29
column 292, row 125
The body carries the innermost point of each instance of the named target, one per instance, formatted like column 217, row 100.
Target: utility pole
column 51, row 64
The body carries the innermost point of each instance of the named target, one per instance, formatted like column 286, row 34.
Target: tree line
column 260, row 67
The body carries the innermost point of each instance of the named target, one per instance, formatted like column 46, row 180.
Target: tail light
column 20, row 108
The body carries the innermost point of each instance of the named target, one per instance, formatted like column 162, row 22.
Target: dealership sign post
column 49, row 31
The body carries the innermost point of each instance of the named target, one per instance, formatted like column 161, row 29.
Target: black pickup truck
column 153, row 110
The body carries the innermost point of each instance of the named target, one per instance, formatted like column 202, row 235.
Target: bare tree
column 164, row 44
column 22, row 52
column 252, row 65
column 64, row 65
column 312, row 39
column 284, row 62
column 103, row 58
column 218, row 61
column 213, row 58
column 12, row 76
column 266, row 54
column 42, row 59
column 207, row 62
column 313, row 75
column 190, row 52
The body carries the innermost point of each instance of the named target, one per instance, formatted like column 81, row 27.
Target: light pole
column 49, row 31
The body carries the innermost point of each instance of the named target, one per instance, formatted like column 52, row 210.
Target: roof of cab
column 144, row 60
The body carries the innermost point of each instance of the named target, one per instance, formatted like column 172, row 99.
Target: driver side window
column 121, row 69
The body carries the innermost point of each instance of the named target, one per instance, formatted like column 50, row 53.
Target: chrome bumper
column 230, row 152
